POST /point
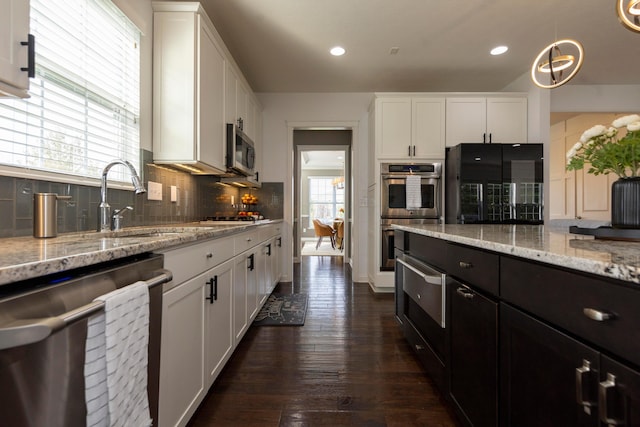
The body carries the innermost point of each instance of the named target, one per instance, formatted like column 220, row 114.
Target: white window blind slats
column 84, row 105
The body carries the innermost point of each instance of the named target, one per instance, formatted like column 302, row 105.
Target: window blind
column 84, row 103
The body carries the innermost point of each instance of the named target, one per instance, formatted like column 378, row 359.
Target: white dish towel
column 413, row 192
column 115, row 367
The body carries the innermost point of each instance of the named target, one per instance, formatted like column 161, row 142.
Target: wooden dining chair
column 340, row 234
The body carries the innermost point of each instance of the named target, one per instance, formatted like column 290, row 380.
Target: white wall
column 284, row 110
column 596, row 99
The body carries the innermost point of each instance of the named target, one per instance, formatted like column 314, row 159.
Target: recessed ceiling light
column 337, row 51
column 499, row 50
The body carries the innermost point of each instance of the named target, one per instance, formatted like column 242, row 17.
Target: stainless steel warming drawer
column 426, row 286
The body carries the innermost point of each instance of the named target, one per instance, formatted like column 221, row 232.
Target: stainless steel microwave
column 241, row 152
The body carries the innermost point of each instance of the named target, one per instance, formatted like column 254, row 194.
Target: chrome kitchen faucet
column 104, row 210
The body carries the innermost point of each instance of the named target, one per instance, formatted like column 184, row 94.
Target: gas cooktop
column 232, row 220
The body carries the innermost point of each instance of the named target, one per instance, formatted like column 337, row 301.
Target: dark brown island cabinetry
column 570, row 348
column 460, row 355
column 524, row 343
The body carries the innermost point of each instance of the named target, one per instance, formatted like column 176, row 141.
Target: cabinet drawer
column 427, row 249
column 246, row 241
column 431, row 362
column 475, row 267
column 188, row 261
column 561, row 297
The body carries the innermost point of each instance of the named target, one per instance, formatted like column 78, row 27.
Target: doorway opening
column 321, row 193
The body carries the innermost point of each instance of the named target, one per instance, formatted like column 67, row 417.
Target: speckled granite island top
column 556, row 246
column 27, row 257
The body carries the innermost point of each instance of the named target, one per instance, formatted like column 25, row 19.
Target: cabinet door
column 507, row 120
column 253, row 296
column 428, row 126
column 211, row 135
column 619, row 393
column 250, row 119
column 466, row 120
column 277, row 259
column 473, row 361
column 218, row 321
column 174, row 98
column 230, row 103
column 539, row 369
column 265, row 274
column 393, row 127
column 14, row 28
column 241, row 101
column 240, row 315
column 182, row 352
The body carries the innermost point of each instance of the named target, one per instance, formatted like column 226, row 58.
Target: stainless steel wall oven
column 393, row 197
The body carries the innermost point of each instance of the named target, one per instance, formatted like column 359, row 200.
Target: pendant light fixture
column 629, row 14
column 557, row 63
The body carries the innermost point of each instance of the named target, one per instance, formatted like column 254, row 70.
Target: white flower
column 611, row 132
column 624, row 121
column 573, row 150
column 632, row 127
column 595, row 131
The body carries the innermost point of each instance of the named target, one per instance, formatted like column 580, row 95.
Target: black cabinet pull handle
column 269, row 249
column 414, row 151
column 251, row 262
column 484, row 138
column 213, row 289
column 31, row 56
column 279, row 239
column 490, row 135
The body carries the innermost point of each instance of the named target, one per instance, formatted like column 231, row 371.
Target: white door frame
column 288, row 185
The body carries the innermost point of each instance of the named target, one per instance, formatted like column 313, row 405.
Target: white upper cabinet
column 409, row 127
column 188, row 90
column 486, row 119
column 14, row 30
column 428, row 127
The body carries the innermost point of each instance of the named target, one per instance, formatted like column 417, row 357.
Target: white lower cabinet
column 182, row 384
column 218, row 287
column 219, row 339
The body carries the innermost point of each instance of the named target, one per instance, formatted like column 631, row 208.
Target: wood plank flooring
column 347, row 366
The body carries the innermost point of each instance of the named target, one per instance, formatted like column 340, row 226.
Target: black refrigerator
column 494, row 183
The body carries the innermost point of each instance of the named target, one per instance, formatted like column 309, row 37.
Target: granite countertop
column 551, row 245
column 27, row 257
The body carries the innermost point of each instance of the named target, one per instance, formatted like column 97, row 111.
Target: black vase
column 625, row 203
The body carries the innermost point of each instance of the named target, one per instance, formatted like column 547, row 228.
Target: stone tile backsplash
column 198, row 197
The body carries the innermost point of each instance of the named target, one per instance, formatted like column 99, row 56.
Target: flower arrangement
column 605, row 152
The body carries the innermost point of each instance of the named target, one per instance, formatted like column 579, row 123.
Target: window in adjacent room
column 325, row 199
column 85, row 99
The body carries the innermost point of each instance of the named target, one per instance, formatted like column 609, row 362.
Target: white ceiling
column 322, row 159
column 282, row 45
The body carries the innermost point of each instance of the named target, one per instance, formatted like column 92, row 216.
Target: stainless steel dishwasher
column 43, row 329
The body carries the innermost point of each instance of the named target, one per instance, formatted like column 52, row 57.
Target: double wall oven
column 393, row 208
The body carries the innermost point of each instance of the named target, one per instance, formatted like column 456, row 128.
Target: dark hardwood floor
column 347, row 366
